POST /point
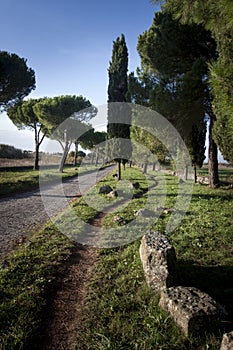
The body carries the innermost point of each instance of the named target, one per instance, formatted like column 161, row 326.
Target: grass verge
column 12, row 182
column 121, row 312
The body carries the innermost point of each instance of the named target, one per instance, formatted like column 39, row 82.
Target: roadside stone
column 158, row 260
column 117, row 218
column 227, row 341
column 136, row 185
column 203, row 180
column 145, row 212
column 112, row 194
column 193, row 310
column 105, row 189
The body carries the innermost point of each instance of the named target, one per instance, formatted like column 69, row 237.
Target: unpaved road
column 20, row 213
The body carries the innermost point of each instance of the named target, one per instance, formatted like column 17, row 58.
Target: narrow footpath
column 63, row 321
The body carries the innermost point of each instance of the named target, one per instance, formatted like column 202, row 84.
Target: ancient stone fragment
column 105, row 189
column 159, row 261
column 193, row 310
column 145, row 212
column 227, row 341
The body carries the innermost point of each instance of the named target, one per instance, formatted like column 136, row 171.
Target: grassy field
column 225, row 173
column 21, row 180
column 121, row 312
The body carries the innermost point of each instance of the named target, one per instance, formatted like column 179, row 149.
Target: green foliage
column 196, row 144
column 215, row 16
column 63, row 116
column 16, row 79
column 119, row 115
column 23, row 114
column 53, row 111
column 7, row 151
column 181, row 93
column 117, row 72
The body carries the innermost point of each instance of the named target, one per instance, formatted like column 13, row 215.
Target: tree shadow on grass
column 217, row 281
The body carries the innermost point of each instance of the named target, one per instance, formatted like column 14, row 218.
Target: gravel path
column 23, row 212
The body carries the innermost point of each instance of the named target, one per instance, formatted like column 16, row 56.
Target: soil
column 65, row 314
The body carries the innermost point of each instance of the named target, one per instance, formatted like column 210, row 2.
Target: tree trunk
column 195, row 173
column 186, row 173
column 66, row 150
column 36, row 160
column 144, row 171
column 119, row 170
column 75, row 153
column 213, row 156
column 97, row 157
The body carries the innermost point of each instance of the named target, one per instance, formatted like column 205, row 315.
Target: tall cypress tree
column 119, row 114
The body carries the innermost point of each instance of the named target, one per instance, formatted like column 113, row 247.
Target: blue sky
column 68, row 44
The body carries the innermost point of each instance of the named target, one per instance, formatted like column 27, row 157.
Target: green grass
column 12, row 182
column 24, row 282
column 225, row 173
column 121, row 312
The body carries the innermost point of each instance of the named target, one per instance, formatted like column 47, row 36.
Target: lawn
column 121, row 312
column 21, row 180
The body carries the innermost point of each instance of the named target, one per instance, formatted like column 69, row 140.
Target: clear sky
column 68, row 43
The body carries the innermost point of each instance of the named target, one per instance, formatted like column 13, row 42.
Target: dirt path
column 64, row 317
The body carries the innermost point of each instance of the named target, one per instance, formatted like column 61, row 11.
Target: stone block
column 193, row 310
column 158, row 260
column 227, row 341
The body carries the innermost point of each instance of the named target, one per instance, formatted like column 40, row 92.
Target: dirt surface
column 64, row 316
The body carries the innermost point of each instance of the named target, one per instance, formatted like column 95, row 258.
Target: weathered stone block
column 227, row 341
column 158, row 260
column 193, row 310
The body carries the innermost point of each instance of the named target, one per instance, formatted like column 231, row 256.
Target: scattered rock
column 136, row 185
column 158, row 260
column 193, row 310
column 145, row 212
column 203, row 180
column 181, row 181
column 119, row 220
column 166, row 210
column 105, row 189
column 112, row 194
column 227, row 341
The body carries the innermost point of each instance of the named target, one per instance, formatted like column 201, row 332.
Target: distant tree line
column 10, row 152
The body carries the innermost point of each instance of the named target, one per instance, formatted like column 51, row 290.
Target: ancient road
column 20, row 213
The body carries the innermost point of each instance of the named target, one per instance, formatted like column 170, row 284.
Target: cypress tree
column 119, row 114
